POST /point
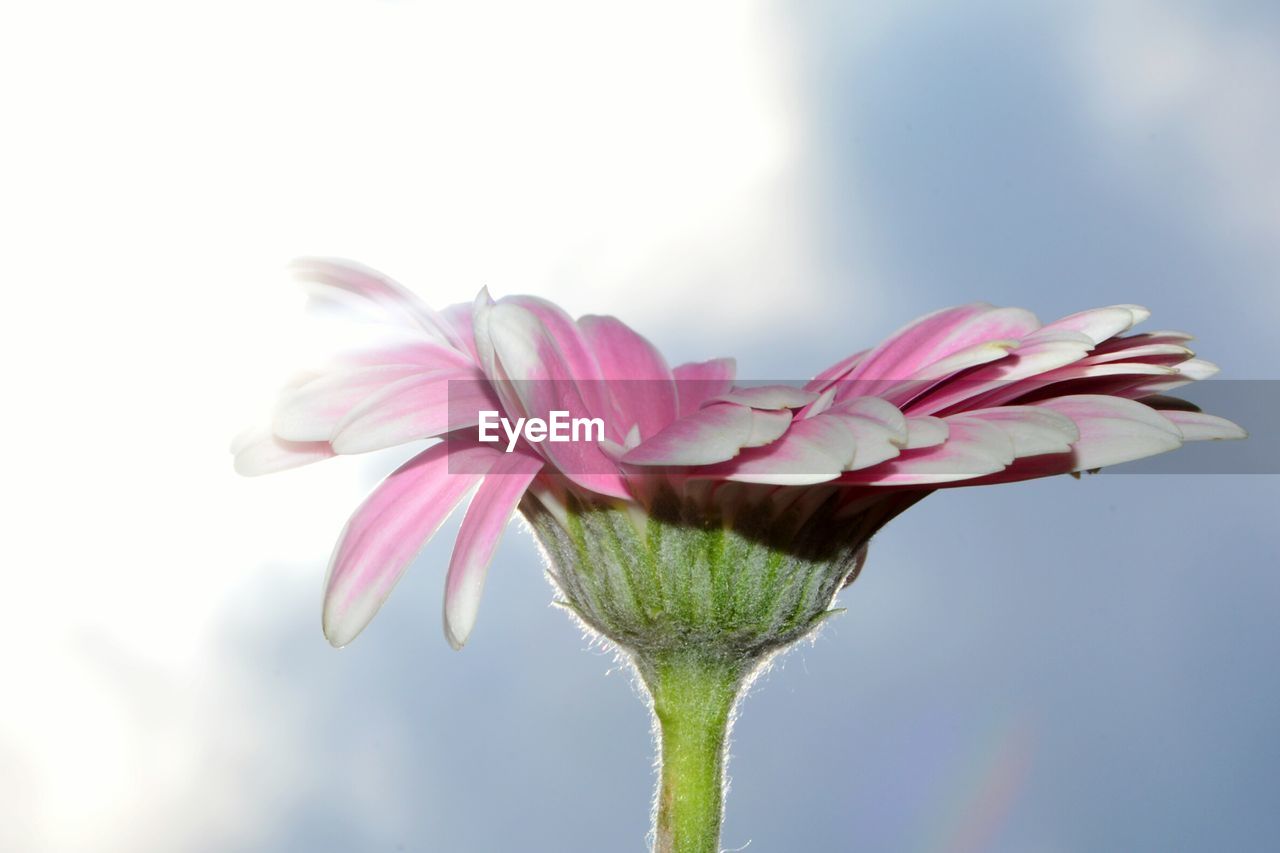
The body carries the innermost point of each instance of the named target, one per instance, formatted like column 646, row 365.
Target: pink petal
column 880, row 411
column 261, row 452
column 312, row 411
column 414, row 408
column 939, row 335
column 697, row 382
column 482, row 527
column 636, row 375
column 579, row 363
column 835, row 372
column 1164, row 353
column 1032, row 429
column 1102, row 323
column 973, row 448
column 767, row 426
column 768, row 397
column 973, row 356
column 873, row 442
column 930, row 376
column 878, row 427
column 714, row 433
column 481, row 312
column 542, row 379
column 332, row 277
column 1198, row 426
column 814, row 450
column 926, row 431
column 821, row 403
column 1143, row 338
column 389, row 529
column 1077, row 378
column 458, row 318
column 1114, row 430
column 1039, row 353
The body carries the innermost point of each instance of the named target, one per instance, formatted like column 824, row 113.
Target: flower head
column 971, row 395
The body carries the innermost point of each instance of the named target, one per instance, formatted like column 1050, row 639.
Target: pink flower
column 971, row 395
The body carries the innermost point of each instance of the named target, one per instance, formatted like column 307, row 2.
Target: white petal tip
column 456, row 631
column 246, row 467
column 460, row 614
column 340, row 629
column 261, row 452
column 1140, row 313
column 338, row 635
column 1198, row 426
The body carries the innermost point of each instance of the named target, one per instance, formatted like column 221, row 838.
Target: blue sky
column 1050, row 666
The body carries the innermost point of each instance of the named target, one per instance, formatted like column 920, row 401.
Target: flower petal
column 1160, row 353
column 926, row 431
column 697, row 382
column 1163, row 336
column 261, row 452
column 541, row 378
column 1073, row 379
column 939, row 335
column 458, row 318
column 873, row 442
column 1114, row 430
column 714, row 433
column 1038, row 353
column 1032, row 429
column 767, row 426
column 973, row 448
column 1102, row 323
column 972, row 356
column 390, row 528
column 768, row 397
column 814, row 450
column 1198, row 426
column 1197, row 369
column 579, row 364
column 931, row 375
column 312, row 411
column 328, row 278
column 414, row 408
column 881, row 411
column 482, row 527
column 636, row 375
column 879, row 429
column 835, row 372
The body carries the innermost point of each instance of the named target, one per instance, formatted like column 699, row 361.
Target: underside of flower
column 700, row 585
column 736, row 570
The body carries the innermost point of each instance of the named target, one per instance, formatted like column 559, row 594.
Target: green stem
column 693, row 698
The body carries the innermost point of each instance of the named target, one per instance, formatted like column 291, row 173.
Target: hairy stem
column 693, row 698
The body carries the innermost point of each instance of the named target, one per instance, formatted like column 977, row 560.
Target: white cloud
column 1166, row 81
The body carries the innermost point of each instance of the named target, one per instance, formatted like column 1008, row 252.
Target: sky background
column 1044, row 667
